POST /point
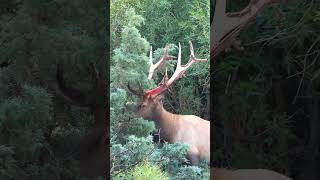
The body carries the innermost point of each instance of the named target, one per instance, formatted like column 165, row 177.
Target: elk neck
column 167, row 122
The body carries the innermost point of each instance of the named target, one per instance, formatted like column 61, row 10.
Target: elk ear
column 158, row 98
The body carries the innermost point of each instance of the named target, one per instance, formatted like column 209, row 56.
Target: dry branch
column 226, row 27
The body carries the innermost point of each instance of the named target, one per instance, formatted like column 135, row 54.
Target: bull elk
column 175, row 128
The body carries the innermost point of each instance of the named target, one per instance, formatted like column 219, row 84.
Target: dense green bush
column 143, row 171
column 39, row 132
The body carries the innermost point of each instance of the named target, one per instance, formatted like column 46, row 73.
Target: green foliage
column 133, row 151
column 22, row 122
column 24, row 132
column 129, row 140
column 192, row 172
column 8, row 163
column 37, row 129
column 144, row 171
column 171, row 156
column 129, row 66
column 129, row 62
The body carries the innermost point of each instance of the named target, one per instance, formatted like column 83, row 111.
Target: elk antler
column 164, row 57
column 179, row 72
column 227, row 26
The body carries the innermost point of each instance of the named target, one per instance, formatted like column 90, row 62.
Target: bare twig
column 304, row 69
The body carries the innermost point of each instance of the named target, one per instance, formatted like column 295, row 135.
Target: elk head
column 148, row 104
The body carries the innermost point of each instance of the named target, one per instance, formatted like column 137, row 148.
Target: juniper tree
column 38, row 127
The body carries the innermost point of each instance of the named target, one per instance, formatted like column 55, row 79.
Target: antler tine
column 192, row 56
column 180, row 70
column 165, row 79
column 152, row 66
column 150, row 56
column 191, row 49
column 179, row 56
column 164, row 57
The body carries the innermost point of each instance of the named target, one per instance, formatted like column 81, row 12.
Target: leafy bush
column 143, row 171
